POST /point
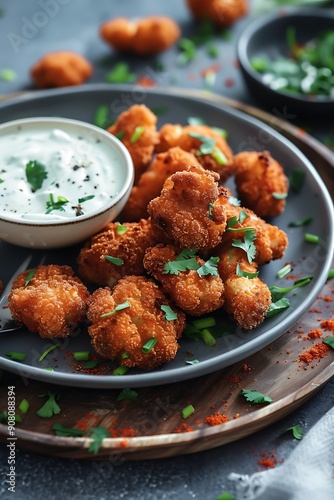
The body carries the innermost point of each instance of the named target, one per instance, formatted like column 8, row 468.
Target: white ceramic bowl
column 79, row 147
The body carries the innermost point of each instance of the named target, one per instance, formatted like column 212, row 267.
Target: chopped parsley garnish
column 114, row 260
column 98, row 434
column 60, row 430
column 297, row 431
column 120, row 74
column 55, row 205
column 186, row 264
column 247, row 245
column 208, row 147
column 35, row 174
column 46, row 352
column 188, row 51
column 127, row 394
column 30, row 275
column 50, row 407
column 24, row 406
column 255, row 397
column 16, row 356
column 329, row 341
column 148, row 346
column 170, row 315
column 209, row 267
column 119, row 307
column 245, row 274
column 186, row 261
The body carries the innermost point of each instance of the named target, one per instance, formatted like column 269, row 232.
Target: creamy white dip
column 76, row 167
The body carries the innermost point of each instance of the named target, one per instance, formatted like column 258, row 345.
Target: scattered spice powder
column 146, row 81
column 318, row 351
column 184, row 427
column 229, row 82
column 326, row 298
column 314, row 334
column 216, row 419
column 328, row 324
column 235, row 379
column 291, row 277
column 268, row 460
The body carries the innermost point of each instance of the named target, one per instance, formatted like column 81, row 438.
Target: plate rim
column 207, row 366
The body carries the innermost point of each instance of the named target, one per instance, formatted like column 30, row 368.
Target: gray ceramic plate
column 245, row 133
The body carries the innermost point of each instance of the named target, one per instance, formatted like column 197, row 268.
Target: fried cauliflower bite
column 124, row 333
column 152, row 180
column 136, row 128
column 61, row 69
column 52, row 303
column 176, row 135
column 188, row 211
column 194, row 294
column 259, row 178
column 144, row 37
column 220, row 12
column 112, row 242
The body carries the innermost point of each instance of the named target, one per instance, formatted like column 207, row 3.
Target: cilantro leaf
column 245, row 274
column 114, row 260
column 187, row 253
column 247, row 245
column 127, row 394
column 35, row 174
column 55, row 205
column 255, row 397
column 175, row 266
column 209, row 267
column 170, row 315
column 297, row 431
column 329, row 341
column 278, row 292
column 118, row 308
column 50, row 407
column 208, row 143
column 277, row 307
column 120, row 74
column 97, row 436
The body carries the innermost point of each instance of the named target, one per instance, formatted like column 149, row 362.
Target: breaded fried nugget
column 52, row 303
column 193, row 293
column 152, row 180
column 140, row 318
column 115, row 252
column 259, row 178
column 220, row 12
column 188, row 211
column 61, row 69
column 193, row 138
column 146, row 36
column 136, row 128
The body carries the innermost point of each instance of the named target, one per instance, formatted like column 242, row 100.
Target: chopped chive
column 121, row 370
column 202, row 323
column 16, row 356
column 48, row 368
column 148, row 346
column 220, row 131
column 137, row 134
column 81, row 355
column 284, row 271
column 219, row 156
column 170, row 315
column 46, row 352
column 7, row 75
column 125, row 355
column 24, row 406
column 120, row 229
column 212, row 50
column 101, row 117
column 120, row 135
column 114, row 260
column 192, row 361
column 208, row 338
column 311, row 238
column 187, row 411
column 331, row 274
column 30, row 275
column 299, row 223
column 118, row 308
column 86, row 198
column 280, row 196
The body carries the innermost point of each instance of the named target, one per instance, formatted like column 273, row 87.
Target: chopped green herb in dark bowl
column 287, row 60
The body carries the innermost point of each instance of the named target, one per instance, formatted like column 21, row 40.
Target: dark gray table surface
column 73, row 25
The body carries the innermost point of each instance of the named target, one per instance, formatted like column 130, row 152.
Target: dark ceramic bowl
column 267, row 36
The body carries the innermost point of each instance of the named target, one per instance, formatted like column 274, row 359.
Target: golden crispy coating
column 177, row 135
column 129, row 246
column 146, row 36
column 258, row 178
column 52, row 303
column 188, row 210
column 220, row 12
column 127, row 330
column 194, row 294
column 60, row 69
column 151, row 182
column 137, row 130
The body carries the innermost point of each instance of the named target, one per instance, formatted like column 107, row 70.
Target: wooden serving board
column 151, row 426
